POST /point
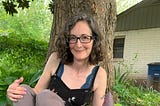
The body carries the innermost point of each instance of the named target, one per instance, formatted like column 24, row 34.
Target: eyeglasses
column 83, row 38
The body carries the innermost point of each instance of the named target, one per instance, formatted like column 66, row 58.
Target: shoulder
column 53, row 56
column 101, row 78
column 52, row 63
column 101, row 72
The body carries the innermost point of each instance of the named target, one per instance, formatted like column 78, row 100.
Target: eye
column 72, row 37
column 85, row 37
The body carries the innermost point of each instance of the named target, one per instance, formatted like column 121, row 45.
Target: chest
column 75, row 89
column 72, row 80
column 77, row 80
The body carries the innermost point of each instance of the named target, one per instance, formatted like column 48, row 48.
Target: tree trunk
column 104, row 11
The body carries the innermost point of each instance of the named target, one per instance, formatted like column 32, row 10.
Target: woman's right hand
column 15, row 91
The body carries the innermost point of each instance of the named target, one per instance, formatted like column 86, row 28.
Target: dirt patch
column 148, row 83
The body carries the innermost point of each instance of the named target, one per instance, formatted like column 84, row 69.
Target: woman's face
column 80, row 41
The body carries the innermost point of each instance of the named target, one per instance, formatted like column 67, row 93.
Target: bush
column 20, row 58
column 128, row 93
column 24, row 41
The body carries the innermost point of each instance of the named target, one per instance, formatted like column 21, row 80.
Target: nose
column 78, row 43
column 78, row 38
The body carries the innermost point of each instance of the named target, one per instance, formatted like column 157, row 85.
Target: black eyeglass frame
column 80, row 38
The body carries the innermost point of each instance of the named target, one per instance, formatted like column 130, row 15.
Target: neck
column 80, row 65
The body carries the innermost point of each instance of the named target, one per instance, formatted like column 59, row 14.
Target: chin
column 81, row 57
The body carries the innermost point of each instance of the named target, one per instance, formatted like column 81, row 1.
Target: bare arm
column 100, row 87
column 49, row 69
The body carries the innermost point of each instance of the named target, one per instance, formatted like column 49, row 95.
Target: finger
column 13, row 86
column 16, row 83
column 16, row 94
column 20, row 80
column 21, row 88
column 17, row 91
column 53, row 90
column 14, row 97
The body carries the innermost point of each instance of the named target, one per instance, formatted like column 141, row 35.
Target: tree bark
column 104, row 12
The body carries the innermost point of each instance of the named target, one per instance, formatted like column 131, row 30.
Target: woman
column 72, row 73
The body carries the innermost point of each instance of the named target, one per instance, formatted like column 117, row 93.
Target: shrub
column 20, row 58
column 128, row 93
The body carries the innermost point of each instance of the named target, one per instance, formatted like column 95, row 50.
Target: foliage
column 51, row 6
column 12, row 6
column 123, row 69
column 122, row 5
column 20, row 58
column 32, row 23
column 23, row 46
column 120, row 77
column 128, row 93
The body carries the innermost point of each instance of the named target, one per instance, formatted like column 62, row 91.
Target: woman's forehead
column 81, row 27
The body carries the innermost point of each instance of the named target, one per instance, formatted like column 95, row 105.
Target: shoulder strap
column 94, row 76
column 90, row 79
column 60, row 70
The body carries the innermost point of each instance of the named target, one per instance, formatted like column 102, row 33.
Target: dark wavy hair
column 62, row 45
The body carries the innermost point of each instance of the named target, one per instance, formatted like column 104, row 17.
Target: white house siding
column 145, row 43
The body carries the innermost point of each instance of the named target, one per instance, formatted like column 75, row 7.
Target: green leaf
column 35, row 77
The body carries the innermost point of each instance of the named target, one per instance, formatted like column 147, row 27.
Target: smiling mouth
column 79, row 50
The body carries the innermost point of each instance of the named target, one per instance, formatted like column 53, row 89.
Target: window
column 118, row 47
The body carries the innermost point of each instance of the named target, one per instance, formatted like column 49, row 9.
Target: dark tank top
column 73, row 97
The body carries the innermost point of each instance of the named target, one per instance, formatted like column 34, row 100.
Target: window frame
column 119, row 45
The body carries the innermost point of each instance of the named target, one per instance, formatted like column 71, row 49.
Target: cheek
column 71, row 46
column 91, row 48
column 91, row 45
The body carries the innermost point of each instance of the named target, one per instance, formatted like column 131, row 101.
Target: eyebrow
column 82, row 34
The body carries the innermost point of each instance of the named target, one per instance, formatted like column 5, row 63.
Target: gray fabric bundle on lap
column 108, row 100
column 48, row 98
column 44, row 98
